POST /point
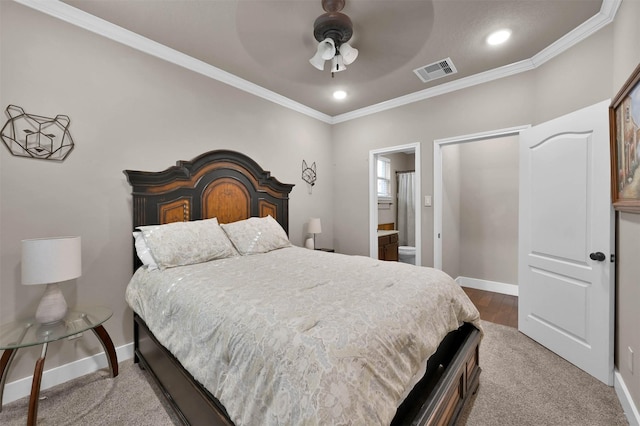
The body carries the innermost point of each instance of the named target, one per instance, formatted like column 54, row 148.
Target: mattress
column 297, row 336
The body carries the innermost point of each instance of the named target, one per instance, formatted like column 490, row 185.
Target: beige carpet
column 521, row 384
column 96, row 399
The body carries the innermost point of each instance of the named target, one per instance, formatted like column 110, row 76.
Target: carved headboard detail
column 222, row 183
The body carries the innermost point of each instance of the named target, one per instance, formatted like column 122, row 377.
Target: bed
column 330, row 368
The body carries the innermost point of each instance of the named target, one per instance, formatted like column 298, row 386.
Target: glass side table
column 20, row 334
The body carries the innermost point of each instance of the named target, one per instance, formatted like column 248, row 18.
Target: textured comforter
column 302, row 337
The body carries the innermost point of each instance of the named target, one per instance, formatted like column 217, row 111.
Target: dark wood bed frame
column 231, row 186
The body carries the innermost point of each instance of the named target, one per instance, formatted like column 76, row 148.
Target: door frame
column 438, row 144
column 373, row 196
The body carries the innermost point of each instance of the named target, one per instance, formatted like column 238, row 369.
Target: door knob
column 598, row 256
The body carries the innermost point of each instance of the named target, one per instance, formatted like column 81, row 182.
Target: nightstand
column 20, row 334
column 329, row 250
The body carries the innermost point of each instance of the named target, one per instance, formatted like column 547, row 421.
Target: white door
column 566, row 285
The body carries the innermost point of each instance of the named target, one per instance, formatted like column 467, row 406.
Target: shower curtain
column 406, row 209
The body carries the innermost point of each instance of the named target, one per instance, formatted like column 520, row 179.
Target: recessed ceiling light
column 339, row 94
column 498, row 37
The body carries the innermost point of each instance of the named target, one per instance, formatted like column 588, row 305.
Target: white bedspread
column 301, row 337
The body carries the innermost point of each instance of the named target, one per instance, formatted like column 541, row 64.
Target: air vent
column 436, row 70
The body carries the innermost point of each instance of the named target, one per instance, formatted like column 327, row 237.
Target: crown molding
column 441, row 89
column 79, row 18
column 99, row 26
column 590, row 26
column 601, row 19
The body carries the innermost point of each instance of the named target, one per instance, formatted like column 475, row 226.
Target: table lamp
column 50, row 261
column 315, row 227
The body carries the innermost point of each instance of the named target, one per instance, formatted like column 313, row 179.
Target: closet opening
column 476, row 196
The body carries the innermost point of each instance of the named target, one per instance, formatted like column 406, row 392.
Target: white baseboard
column 57, row 375
column 494, row 286
column 629, row 407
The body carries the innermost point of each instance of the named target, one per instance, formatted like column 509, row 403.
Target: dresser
column 388, row 245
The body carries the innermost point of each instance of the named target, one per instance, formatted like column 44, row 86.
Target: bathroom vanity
column 388, row 245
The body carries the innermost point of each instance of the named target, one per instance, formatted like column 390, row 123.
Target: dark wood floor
column 495, row 307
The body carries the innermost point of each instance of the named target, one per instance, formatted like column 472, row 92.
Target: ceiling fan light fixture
column 326, row 50
column 348, row 53
column 317, row 61
column 334, row 28
column 333, row 25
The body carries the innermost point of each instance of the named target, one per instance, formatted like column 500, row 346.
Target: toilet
column 407, row 254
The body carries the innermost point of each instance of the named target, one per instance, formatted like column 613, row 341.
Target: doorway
column 374, row 155
column 477, row 212
column 565, row 280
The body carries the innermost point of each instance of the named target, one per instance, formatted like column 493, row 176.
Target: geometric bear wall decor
column 35, row 136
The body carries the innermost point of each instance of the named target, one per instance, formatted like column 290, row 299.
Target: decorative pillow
column 143, row 252
column 256, row 235
column 186, row 243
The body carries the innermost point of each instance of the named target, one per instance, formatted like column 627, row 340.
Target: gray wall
column 480, row 186
column 489, row 210
column 627, row 299
column 451, row 175
column 484, row 107
column 626, row 56
column 128, row 110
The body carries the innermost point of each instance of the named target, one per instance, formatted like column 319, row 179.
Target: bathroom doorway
column 386, row 215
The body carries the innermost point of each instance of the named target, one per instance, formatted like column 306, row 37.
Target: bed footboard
column 452, row 377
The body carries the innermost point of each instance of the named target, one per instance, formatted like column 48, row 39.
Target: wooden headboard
column 222, row 183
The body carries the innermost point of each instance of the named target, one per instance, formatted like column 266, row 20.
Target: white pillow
column 143, row 252
column 256, row 235
column 186, row 243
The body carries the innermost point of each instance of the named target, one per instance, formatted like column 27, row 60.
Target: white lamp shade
column 348, row 53
column 326, row 50
column 315, row 227
column 51, row 260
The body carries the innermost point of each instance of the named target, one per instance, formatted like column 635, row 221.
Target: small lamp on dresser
column 50, row 261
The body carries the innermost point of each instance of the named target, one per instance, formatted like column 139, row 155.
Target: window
column 383, row 171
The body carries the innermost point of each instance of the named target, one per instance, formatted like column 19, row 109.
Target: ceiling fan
column 333, row 30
